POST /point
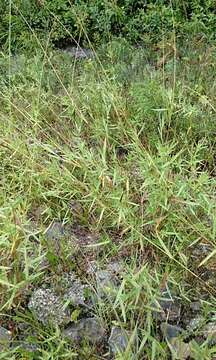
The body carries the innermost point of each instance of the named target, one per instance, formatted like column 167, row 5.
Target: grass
column 129, row 140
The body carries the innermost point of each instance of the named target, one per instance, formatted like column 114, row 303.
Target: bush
column 82, row 20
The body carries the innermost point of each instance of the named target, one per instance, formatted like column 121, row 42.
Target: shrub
column 79, row 20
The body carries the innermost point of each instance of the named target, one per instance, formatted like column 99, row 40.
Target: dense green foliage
column 99, row 19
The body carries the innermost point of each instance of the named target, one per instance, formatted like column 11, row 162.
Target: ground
column 108, row 203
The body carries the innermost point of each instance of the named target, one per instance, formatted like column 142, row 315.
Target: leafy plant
column 83, row 21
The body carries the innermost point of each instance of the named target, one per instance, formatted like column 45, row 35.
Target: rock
column 75, row 208
column 83, row 238
column 57, row 236
column 195, row 323
column 73, row 289
column 201, row 250
column 106, row 283
column 5, row 338
column 26, row 338
column 115, row 267
column 89, row 329
column 55, row 231
column 118, row 340
column 48, row 308
column 28, row 347
column 195, row 306
column 91, row 267
column 179, row 349
column 167, row 308
column 170, row 331
column 209, row 331
column 79, row 53
column 18, row 64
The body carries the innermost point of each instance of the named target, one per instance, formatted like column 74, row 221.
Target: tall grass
column 130, row 137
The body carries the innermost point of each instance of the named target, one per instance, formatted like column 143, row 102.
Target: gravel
column 179, row 348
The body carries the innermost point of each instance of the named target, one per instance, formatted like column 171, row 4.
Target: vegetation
column 122, row 145
column 69, row 21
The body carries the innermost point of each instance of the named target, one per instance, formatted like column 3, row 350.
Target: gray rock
column 55, row 231
column 201, row 249
column 89, row 329
column 112, row 269
column 73, row 289
column 75, row 208
column 57, row 235
column 209, row 331
column 115, row 267
column 195, row 306
column 28, row 347
column 48, row 308
column 180, row 349
column 195, row 323
column 106, row 283
column 91, row 267
column 5, row 338
column 79, row 53
column 167, row 308
column 18, row 64
column 118, row 340
column 26, row 338
column 170, row 331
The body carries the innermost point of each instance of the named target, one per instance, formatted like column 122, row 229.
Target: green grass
column 133, row 145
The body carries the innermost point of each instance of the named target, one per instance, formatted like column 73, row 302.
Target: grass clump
column 121, row 147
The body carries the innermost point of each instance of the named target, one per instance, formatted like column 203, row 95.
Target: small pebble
column 5, row 338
